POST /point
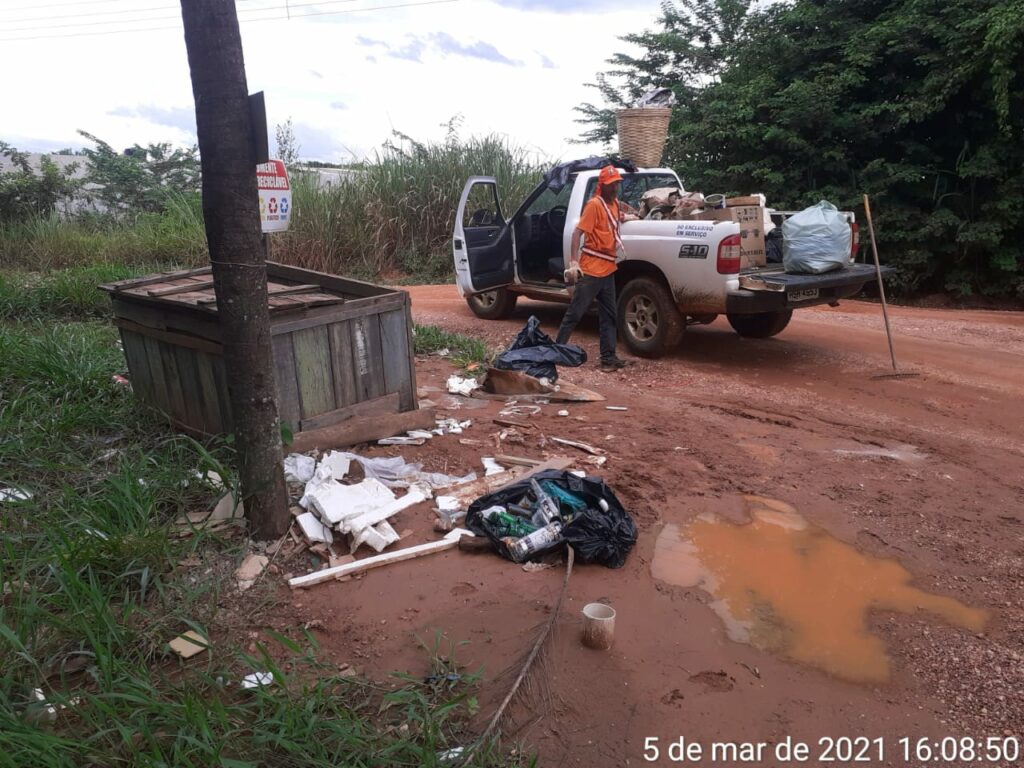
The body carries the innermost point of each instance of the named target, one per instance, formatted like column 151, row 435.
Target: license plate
column 804, row 294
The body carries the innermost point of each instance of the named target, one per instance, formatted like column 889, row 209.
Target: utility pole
column 231, row 211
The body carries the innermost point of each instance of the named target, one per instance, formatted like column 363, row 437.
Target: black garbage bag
column 535, row 353
column 558, row 177
column 596, row 535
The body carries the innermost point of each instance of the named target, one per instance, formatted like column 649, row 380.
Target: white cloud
column 513, row 68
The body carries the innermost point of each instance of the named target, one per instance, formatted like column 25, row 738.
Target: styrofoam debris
column 370, row 516
column 420, row 433
column 335, row 502
column 338, row 462
column 377, row 537
column 299, row 468
column 450, row 755
column 491, row 467
column 313, row 529
column 257, row 679
column 446, row 503
column 402, row 440
column 452, row 426
column 460, row 386
column 563, row 413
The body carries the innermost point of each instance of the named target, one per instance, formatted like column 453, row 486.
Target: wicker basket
column 642, row 134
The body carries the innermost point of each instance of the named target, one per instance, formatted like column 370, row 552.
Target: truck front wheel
column 649, row 322
column 492, row 305
column 761, row 325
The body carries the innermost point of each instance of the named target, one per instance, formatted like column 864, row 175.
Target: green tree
column 141, row 179
column 25, row 192
column 287, row 146
column 919, row 103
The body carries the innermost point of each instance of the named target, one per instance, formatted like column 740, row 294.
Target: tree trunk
column 230, row 207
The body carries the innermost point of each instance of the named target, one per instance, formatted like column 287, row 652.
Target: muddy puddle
column 786, row 586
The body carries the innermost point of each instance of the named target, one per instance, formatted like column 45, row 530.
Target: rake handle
column 881, row 285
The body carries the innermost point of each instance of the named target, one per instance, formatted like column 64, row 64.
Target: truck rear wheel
column 761, row 325
column 492, row 305
column 649, row 322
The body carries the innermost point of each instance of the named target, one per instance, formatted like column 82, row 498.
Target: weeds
column 465, row 350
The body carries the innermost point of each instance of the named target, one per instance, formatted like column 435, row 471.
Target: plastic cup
column 598, row 626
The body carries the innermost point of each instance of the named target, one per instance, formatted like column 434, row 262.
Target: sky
column 347, row 72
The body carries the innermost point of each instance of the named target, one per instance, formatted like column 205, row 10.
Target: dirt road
column 815, row 631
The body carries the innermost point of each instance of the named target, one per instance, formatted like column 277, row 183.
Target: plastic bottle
column 547, row 507
column 540, row 540
column 504, row 524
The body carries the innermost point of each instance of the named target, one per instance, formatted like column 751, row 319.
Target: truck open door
column 482, row 244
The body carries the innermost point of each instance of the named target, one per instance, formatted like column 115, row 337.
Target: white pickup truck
column 674, row 273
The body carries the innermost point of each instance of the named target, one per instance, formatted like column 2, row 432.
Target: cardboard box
column 732, row 202
column 751, row 221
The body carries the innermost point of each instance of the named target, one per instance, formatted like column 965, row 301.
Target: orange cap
column 609, row 175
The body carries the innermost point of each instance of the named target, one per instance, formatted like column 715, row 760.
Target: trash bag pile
column 545, row 512
column 535, row 353
column 816, row 240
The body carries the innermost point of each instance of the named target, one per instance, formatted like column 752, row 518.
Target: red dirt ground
column 722, row 417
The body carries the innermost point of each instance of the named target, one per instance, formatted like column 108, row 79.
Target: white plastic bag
column 816, row 240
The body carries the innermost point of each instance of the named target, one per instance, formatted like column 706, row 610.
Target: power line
column 120, row 11
column 36, row 6
column 152, row 18
column 268, row 18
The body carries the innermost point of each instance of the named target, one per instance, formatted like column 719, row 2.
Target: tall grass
column 175, row 236
column 396, row 215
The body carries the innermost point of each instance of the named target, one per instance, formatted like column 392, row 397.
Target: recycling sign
column 275, row 196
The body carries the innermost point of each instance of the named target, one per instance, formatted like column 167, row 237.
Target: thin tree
column 230, row 207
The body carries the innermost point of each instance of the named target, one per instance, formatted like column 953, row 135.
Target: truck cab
column 674, row 273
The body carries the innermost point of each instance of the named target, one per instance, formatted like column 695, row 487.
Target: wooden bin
column 342, row 348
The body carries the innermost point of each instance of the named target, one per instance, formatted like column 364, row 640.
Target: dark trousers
column 587, row 290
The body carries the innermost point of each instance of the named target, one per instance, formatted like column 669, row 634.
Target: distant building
column 82, row 201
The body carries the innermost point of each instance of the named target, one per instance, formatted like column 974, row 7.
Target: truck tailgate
column 794, row 284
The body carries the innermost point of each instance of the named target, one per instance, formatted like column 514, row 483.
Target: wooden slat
column 163, row 277
column 178, row 339
column 171, row 290
column 410, row 351
column 183, row 319
column 366, row 357
column 212, row 405
column 376, row 407
column 395, row 357
column 288, row 407
column 175, row 395
column 342, row 363
column 138, row 367
column 351, row 308
column 161, row 398
column 332, row 282
column 188, row 376
column 276, row 291
column 362, row 430
column 313, row 371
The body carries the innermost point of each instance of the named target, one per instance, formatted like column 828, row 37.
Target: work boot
column 613, row 364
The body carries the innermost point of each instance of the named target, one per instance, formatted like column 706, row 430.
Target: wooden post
column 231, row 211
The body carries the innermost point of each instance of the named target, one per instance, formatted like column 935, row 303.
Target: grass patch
column 91, row 590
column 465, row 350
column 69, row 293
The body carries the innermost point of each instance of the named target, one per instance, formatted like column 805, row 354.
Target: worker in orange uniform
column 593, row 253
